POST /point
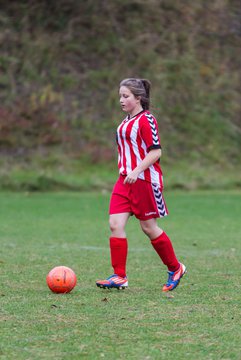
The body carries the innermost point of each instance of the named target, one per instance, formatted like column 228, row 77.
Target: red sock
column 118, row 252
column 163, row 246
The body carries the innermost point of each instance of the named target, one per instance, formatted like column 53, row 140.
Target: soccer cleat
column 174, row 278
column 113, row 281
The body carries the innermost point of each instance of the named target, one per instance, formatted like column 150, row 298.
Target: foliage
column 61, row 62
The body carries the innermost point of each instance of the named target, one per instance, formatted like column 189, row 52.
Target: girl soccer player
column 138, row 189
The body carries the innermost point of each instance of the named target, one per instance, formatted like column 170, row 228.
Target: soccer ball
column 61, row 279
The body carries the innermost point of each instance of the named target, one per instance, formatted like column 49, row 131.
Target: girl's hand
column 131, row 177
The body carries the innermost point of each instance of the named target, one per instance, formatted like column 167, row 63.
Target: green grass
column 202, row 320
column 51, row 175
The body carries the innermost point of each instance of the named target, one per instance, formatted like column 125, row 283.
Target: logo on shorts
column 150, row 213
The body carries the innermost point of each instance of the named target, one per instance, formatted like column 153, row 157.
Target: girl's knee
column 115, row 225
column 146, row 228
column 150, row 229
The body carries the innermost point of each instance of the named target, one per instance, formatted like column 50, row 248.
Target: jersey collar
column 132, row 117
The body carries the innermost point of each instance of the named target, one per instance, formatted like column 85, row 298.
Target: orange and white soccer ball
column 61, row 279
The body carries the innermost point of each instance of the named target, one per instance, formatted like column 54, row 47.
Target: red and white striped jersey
column 135, row 137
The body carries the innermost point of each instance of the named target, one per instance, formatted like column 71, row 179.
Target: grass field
column 202, row 320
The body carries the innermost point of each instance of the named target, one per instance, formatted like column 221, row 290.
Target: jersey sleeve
column 149, row 132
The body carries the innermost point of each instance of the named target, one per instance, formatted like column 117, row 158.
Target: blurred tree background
column 60, row 66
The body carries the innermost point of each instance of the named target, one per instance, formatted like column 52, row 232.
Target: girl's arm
column 149, row 160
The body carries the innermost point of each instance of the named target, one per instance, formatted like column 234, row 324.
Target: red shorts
column 143, row 199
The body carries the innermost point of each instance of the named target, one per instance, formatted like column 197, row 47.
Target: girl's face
column 128, row 101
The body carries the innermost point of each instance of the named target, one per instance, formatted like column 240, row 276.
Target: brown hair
column 139, row 87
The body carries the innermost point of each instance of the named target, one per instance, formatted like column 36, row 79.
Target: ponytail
column 146, row 100
column 147, row 85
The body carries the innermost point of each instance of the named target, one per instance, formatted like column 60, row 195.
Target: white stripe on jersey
column 134, row 132
column 119, row 156
column 154, row 175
